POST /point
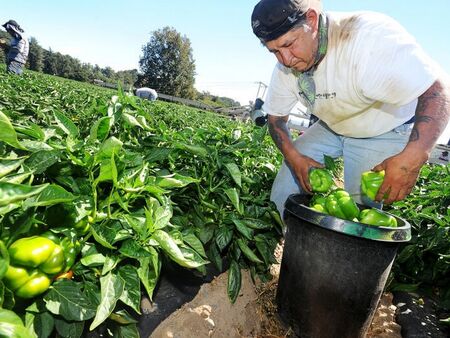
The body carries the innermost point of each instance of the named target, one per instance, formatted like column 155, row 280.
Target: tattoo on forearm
column 414, row 135
column 278, row 131
column 415, row 132
column 430, row 109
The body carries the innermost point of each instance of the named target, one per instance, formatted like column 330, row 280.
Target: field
column 132, row 186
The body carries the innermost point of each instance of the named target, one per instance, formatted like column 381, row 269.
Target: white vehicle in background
column 147, row 93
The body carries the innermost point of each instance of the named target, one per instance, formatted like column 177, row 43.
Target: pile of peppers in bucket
column 338, row 203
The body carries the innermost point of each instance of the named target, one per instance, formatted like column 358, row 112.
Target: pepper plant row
column 132, row 185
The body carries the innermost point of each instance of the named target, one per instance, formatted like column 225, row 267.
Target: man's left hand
column 401, row 172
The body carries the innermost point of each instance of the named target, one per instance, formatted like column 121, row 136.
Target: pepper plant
column 137, row 185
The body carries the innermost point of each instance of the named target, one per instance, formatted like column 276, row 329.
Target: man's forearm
column 280, row 134
column 432, row 116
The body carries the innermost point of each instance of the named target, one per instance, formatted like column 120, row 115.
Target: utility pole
column 263, row 86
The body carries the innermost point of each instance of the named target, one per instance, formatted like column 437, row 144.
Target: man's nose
column 286, row 57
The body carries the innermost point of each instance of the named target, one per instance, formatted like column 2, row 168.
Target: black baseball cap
column 273, row 18
column 12, row 23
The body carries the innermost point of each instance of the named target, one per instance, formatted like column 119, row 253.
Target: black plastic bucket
column 333, row 271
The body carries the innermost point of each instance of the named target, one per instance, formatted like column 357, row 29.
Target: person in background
column 147, row 93
column 381, row 101
column 17, row 55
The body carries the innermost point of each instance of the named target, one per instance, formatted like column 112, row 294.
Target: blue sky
column 229, row 59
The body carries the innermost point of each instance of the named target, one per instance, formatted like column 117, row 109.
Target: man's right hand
column 300, row 166
column 298, row 163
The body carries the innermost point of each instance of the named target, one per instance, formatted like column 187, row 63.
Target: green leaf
column 111, row 287
column 243, row 229
column 10, row 192
column 7, row 132
column 66, row 299
column 110, row 147
column 50, row 195
column 8, row 165
column 12, row 326
column 223, row 237
column 16, row 178
column 195, row 150
column 265, row 252
column 256, row 224
column 108, row 171
column 157, row 154
column 69, row 329
column 100, row 129
column 131, row 248
column 42, row 323
column 170, row 247
column 105, row 234
column 111, row 262
column 174, row 181
column 234, row 281
column 134, row 121
column 122, row 317
column 31, row 130
column 214, row 256
column 109, row 233
column 233, row 195
column 96, row 259
column 149, row 270
column 248, row 252
column 127, row 331
column 235, row 173
column 194, row 243
column 132, row 291
column 4, row 261
column 66, row 124
column 39, row 161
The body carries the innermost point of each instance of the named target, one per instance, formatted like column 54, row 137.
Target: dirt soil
column 210, row 313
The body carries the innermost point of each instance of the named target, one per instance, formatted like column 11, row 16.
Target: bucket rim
column 296, row 205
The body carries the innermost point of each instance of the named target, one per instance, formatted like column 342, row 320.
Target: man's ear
column 312, row 19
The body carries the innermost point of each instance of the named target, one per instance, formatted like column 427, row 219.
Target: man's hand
column 300, row 166
column 401, row 172
column 3, row 41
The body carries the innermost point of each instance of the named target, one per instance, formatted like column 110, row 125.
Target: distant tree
column 4, row 49
column 167, row 64
column 35, row 56
column 127, row 78
column 108, row 72
column 50, row 66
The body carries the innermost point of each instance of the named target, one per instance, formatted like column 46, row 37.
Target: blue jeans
column 15, row 67
column 359, row 154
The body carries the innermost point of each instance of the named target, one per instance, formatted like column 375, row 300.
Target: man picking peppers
column 382, row 102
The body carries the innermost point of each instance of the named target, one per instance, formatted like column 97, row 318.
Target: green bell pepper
column 371, row 182
column 341, row 205
column 33, row 260
column 377, row 217
column 25, row 283
column 37, row 252
column 319, row 204
column 321, row 180
column 69, row 247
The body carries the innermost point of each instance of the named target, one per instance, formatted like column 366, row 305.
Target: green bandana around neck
column 305, row 79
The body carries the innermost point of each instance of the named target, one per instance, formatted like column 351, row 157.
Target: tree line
column 167, row 65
